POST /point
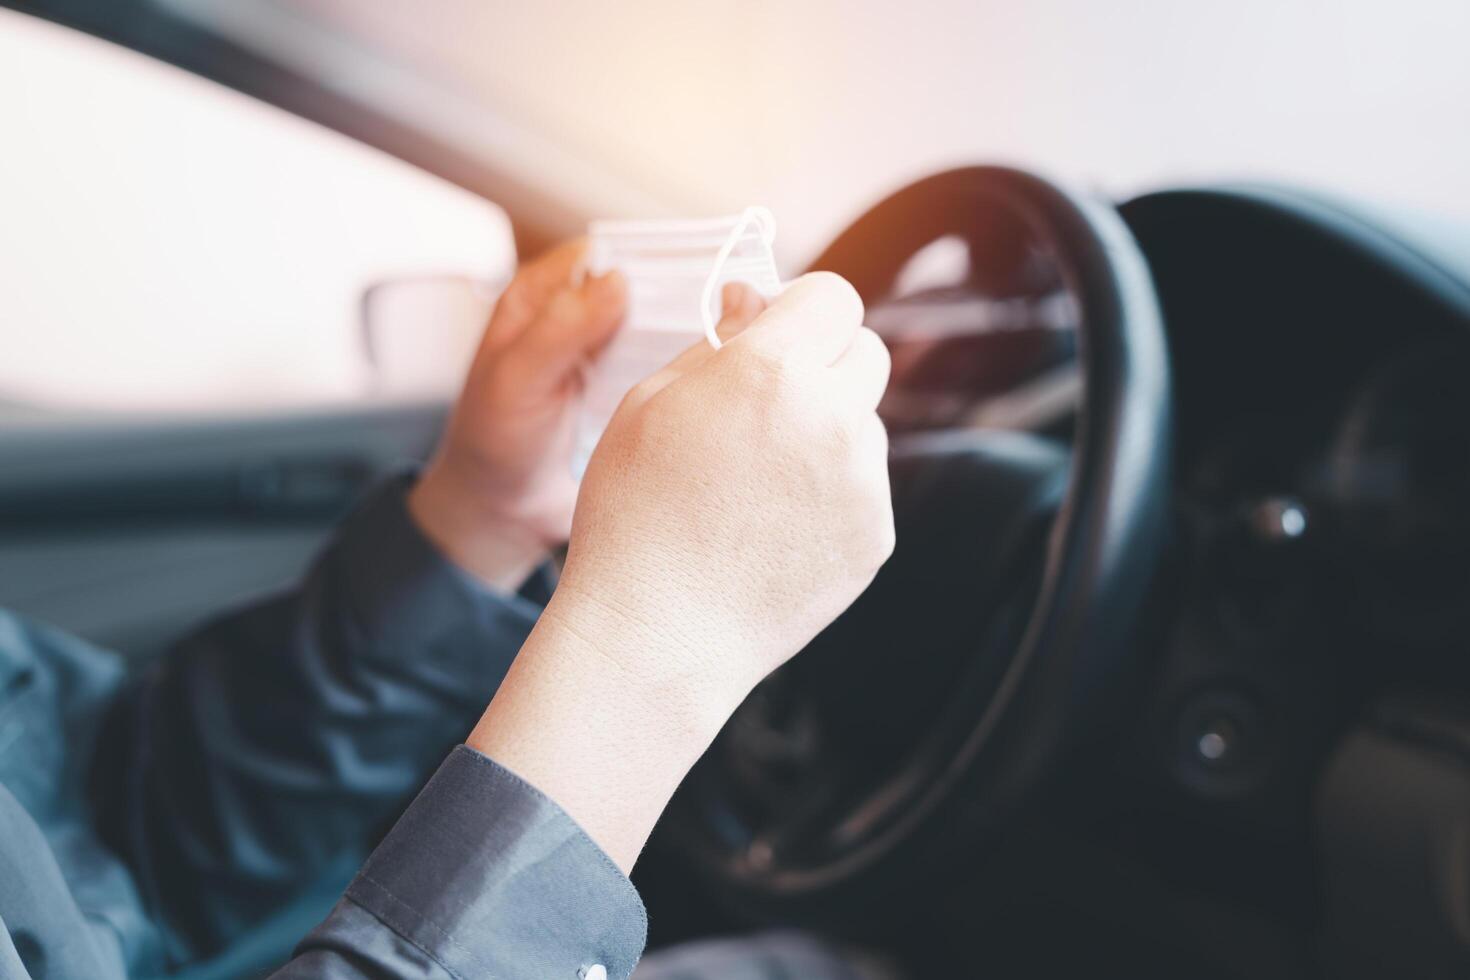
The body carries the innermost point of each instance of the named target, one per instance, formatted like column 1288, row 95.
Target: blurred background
column 818, row 107
column 220, row 259
column 247, row 247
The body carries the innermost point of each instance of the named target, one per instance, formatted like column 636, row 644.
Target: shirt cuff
column 490, row 878
column 402, row 594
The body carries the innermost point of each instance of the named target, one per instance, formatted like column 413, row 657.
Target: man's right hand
column 739, row 500
column 737, row 503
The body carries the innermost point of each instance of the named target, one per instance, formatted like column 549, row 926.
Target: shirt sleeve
column 280, row 740
column 483, row 876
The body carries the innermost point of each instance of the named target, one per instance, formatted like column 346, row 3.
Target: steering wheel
column 999, row 637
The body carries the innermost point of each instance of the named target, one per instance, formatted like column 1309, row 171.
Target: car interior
column 1167, row 676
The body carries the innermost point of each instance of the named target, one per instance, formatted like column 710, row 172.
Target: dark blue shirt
column 153, row 823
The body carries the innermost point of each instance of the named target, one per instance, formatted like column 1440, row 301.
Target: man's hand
column 737, row 503
column 739, row 500
column 499, row 491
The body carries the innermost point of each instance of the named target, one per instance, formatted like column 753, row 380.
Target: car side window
column 172, row 246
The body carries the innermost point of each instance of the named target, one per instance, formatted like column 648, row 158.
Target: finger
column 873, row 439
column 873, row 451
column 607, row 296
column 574, row 324
column 552, row 270
column 534, row 285
column 861, row 373
column 687, row 360
column 739, row 304
column 813, row 320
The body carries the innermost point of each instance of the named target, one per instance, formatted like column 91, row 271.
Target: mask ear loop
column 752, row 215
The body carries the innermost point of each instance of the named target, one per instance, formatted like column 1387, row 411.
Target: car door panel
column 128, row 532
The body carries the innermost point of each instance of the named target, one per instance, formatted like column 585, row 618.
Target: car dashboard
column 1311, row 647
column 1291, row 782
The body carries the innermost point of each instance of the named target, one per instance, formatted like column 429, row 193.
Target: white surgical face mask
column 675, row 271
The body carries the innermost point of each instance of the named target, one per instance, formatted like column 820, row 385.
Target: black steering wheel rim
column 1098, row 557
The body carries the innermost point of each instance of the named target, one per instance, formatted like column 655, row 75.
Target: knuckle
column 887, row 540
column 565, row 306
column 879, row 535
column 765, row 369
column 636, row 425
column 869, row 337
column 838, row 291
column 520, row 281
column 515, row 299
column 880, row 437
column 858, row 427
column 639, row 395
column 871, row 474
column 509, row 367
column 643, row 390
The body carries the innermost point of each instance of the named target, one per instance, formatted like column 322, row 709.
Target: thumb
column 740, row 304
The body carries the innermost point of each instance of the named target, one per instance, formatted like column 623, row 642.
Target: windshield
column 817, row 108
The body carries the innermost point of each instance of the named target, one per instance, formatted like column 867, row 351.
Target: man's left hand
column 499, row 491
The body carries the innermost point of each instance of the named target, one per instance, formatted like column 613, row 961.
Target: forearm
column 608, row 742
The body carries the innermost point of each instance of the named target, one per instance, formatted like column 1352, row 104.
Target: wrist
column 496, row 549
column 649, row 659
column 593, row 716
